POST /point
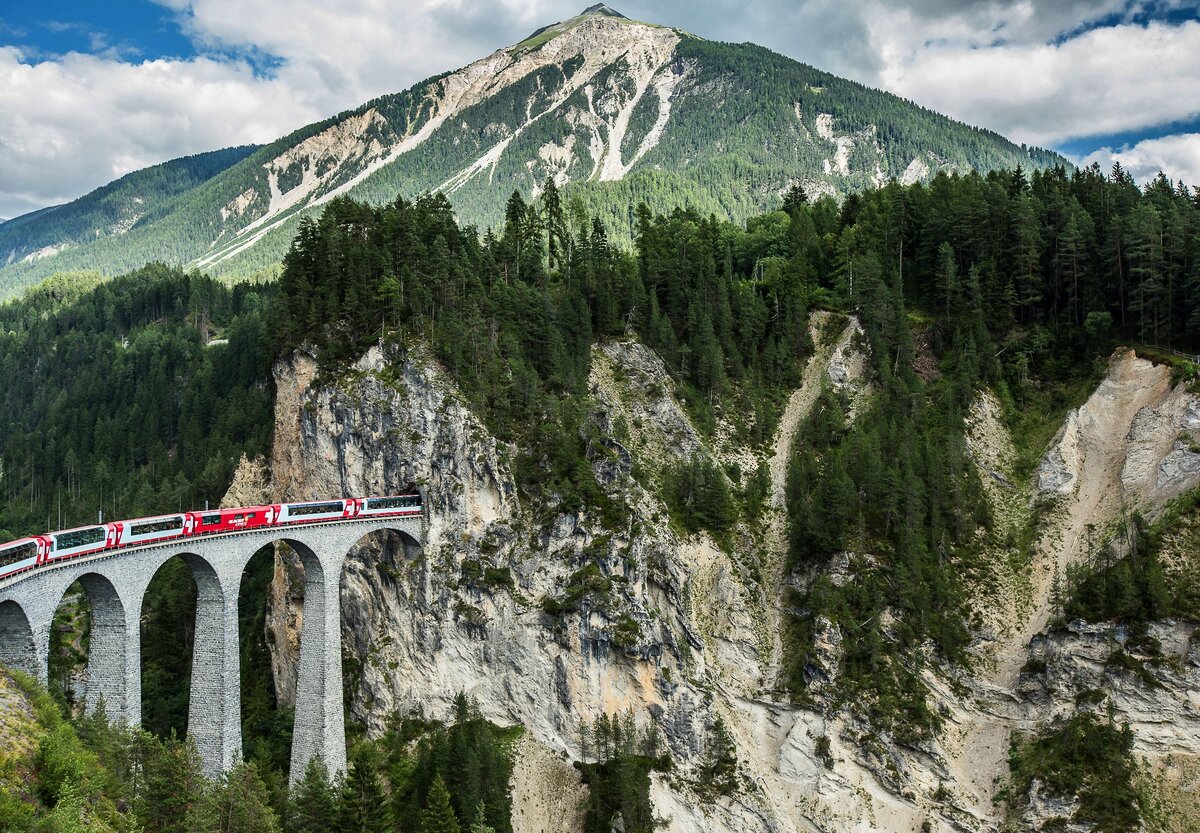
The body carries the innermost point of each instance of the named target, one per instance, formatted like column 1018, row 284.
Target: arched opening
column 70, row 633
column 304, row 627
column 272, row 576
column 282, row 653
column 16, row 639
column 370, row 584
column 87, row 652
column 168, row 633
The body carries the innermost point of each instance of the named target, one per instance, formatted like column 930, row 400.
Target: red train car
column 229, row 520
column 37, row 550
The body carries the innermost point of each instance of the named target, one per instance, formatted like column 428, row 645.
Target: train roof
column 78, row 528
column 27, row 539
column 152, row 518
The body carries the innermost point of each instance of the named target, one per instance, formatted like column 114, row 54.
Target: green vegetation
column 140, row 198
column 440, row 777
column 1087, row 757
column 699, row 496
column 896, row 483
column 1138, row 587
column 60, row 776
column 619, row 779
column 123, row 405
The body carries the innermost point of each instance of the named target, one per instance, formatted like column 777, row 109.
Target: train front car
column 217, row 521
column 409, row 504
column 315, row 510
column 22, row 554
column 84, row 540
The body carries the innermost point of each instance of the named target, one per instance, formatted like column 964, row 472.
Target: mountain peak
column 591, row 13
column 602, row 10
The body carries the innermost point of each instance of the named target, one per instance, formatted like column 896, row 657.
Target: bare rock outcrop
column 679, row 630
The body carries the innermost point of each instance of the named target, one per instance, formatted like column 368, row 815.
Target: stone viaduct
column 116, row 582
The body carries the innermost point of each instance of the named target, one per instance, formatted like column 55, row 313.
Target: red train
column 38, row 550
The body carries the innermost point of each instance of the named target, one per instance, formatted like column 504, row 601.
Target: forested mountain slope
column 144, row 197
column 615, row 111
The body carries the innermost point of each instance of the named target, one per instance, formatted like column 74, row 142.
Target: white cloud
column 346, row 52
column 1177, row 156
column 1107, row 80
column 73, row 124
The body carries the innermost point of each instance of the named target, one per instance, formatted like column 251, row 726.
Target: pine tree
column 362, row 808
column 312, row 802
column 438, row 815
column 479, row 823
column 238, row 801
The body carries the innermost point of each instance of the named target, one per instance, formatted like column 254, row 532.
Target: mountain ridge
column 615, row 111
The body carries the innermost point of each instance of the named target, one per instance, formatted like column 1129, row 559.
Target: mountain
column 112, row 211
column 615, row 110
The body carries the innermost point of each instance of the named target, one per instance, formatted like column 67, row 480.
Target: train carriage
column 230, row 520
column 391, row 505
column 23, row 554
column 150, row 530
column 83, row 540
column 317, row 510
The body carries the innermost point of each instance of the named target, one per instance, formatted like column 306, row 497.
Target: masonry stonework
column 116, row 584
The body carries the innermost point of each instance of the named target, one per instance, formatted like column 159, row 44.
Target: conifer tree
column 362, row 808
column 237, row 801
column 438, row 815
column 312, row 802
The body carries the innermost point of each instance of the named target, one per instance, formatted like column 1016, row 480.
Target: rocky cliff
column 680, row 630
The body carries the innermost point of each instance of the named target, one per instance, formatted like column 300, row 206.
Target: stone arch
column 213, row 718
column 107, row 666
column 372, row 573
column 295, row 565
column 17, row 648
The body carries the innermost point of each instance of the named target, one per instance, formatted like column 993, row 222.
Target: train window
column 399, row 502
column 161, row 525
column 79, row 538
column 209, row 520
column 295, row 509
column 20, row 552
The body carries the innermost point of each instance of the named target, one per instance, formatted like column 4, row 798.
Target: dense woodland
column 126, row 402
column 422, row 776
column 1012, row 281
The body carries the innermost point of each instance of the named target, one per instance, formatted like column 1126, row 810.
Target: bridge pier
column 18, row 644
column 108, row 670
column 320, row 729
column 215, row 702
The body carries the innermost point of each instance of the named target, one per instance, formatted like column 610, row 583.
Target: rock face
column 1115, row 453
column 681, row 631
column 1152, row 683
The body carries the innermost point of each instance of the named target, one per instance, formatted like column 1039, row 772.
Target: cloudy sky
column 92, row 90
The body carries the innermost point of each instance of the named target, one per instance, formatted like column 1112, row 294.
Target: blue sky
column 131, row 29
column 90, row 90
